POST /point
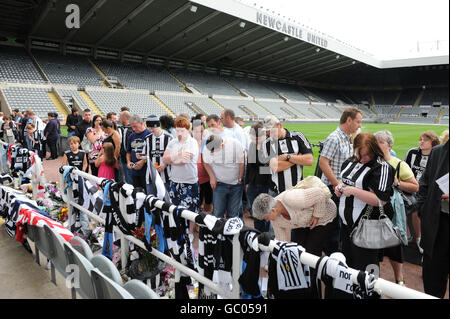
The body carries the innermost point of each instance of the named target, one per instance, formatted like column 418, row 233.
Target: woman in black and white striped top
column 365, row 178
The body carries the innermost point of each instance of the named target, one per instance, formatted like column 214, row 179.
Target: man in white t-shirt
column 224, row 161
column 235, row 130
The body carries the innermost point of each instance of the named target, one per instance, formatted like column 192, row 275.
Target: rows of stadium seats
column 432, row 95
column 212, row 92
column 205, row 83
column 244, row 107
column 252, row 88
column 138, row 76
column 69, row 69
column 427, row 115
column 37, row 99
column 16, row 66
column 289, row 91
column 112, row 100
column 69, row 95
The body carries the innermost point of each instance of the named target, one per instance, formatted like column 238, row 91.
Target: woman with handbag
column 365, row 186
column 404, row 181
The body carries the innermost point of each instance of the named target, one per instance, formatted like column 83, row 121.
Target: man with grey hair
column 223, row 159
column 135, row 145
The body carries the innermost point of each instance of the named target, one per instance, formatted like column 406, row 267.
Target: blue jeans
column 126, row 177
column 227, row 198
column 252, row 192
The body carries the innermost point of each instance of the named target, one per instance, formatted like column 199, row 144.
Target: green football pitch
column 405, row 136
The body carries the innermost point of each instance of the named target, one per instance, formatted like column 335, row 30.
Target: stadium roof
column 221, row 34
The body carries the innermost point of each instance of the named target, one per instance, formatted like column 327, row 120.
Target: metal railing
column 125, row 239
column 382, row 286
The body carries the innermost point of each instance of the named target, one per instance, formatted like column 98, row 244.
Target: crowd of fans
column 211, row 163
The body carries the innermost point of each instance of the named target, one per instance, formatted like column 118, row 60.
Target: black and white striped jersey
column 416, row 161
column 293, row 143
column 288, row 277
column 124, row 132
column 376, row 176
column 154, row 150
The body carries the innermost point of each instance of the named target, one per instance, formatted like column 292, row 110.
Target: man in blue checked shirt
column 336, row 149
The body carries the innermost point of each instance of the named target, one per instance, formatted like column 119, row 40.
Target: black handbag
column 409, row 199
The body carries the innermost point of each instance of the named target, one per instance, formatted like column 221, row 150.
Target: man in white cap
column 286, row 152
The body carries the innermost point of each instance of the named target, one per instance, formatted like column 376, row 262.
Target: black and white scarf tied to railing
column 333, row 271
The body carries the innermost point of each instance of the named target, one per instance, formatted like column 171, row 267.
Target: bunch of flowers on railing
column 147, row 261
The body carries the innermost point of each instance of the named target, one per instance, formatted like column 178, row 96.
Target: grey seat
column 82, row 247
column 84, row 285
column 106, row 288
column 41, row 242
column 57, row 256
column 139, row 290
column 107, row 267
column 31, row 232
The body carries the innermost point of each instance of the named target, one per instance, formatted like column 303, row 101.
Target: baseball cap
column 152, row 121
column 269, row 122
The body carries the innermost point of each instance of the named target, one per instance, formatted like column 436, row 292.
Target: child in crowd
column 8, row 130
column 35, row 139
column 106, row 162
column 75, row 156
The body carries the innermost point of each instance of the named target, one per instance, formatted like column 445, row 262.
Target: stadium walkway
column 22, row 278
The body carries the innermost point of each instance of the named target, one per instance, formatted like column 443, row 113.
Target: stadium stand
column 190, row 103
column 277, row 107
column 384, row 97
column 136, row 76
column 76, row 80
column 408, row 96
column 206, row 83
column 252, row 88
column 305, row 110
column 17, row 67
column 69, row 69
column 326, row 95
column 244, row 107
column 435, row 95
column 358, row 97
column 73, row 97
column 37, row 99
column 445, row 116
column 111, row 100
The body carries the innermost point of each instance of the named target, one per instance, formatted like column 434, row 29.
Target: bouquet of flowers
column 63, row 214
column 147, row 262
